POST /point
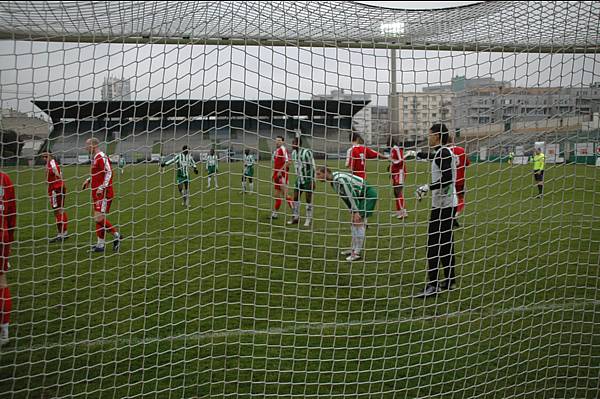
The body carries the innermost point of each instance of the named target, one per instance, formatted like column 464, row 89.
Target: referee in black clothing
column 440, row 244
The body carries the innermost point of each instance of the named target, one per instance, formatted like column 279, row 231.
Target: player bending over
column 57, row 192
column 102, row 194
column 281, row 166
column 212, row 167
column 8, row 223
column 304, row 163
column 183, row 161
column 359, row 197
column 249, row 162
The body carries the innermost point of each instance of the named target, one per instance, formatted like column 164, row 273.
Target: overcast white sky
column 75, row 71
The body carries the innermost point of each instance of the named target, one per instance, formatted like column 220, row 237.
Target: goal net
column 197, row 263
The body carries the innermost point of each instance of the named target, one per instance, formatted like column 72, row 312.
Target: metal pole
column 393, row 103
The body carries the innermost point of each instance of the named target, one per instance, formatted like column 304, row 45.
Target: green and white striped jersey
column 249, row 161
column 350, row 187
column 212, row 161
column 182, row 163
column 304, row 163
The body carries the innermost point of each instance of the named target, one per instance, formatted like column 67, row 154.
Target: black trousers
column 440, row 244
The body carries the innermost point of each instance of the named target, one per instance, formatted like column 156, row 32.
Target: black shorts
column 538, row 175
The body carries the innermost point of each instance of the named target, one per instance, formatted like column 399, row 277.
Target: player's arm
column 372, row 154
column 169, row 162
column 348, row 157
column 467, row 160
column 425, row 155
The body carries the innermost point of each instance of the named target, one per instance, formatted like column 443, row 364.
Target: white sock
column 100, row 242
column 183, row 194
column 216, row 184
column 208, row 181
column 243, row 186
column 4, row 330
column 251, row 186
column 354, row 234
column 360, row 238
column 296, row 209
column 309, row 211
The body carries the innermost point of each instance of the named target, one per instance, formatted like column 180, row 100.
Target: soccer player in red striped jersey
column 102, row 194
column 8, row 223
column 57, row 192
column 358, row 154
column 398, row 174
column 281, row 167
column 463, row 162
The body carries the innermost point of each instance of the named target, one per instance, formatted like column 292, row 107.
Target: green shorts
column 308, row 185
column 211, row 170
column 366, row 206
column 182, row 179
column 249, row 172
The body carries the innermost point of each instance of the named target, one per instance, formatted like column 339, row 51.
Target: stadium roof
column 77, row 110
column 530, row 26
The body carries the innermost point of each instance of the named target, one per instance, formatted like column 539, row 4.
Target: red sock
column 100, row 230
column 398, row 204
column 277, row 204
column 65, row 223
column 290, row 201
column 461, row 204
column 5, row 305
column 110, row 227
column 59, row 223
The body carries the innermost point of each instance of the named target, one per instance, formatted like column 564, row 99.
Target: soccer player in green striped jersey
column 249, row 162
column 183, row 162
column 304, row 163
column 359, row 197
column 212, row 166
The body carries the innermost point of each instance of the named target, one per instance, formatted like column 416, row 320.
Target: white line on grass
column 320, row 327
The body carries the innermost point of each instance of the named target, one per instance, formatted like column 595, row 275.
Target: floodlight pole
column 394, row 107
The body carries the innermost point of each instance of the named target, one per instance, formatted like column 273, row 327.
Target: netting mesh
column 216, row 284
column 560, row 26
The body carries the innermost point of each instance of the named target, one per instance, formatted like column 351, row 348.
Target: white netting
column 210, row 297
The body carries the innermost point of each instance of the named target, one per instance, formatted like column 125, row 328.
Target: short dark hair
column 185, row 147
column 356, row 137
column 280, row 137
column 392, row 141
column 247, row 151
column 298, row 140
column 442, row 130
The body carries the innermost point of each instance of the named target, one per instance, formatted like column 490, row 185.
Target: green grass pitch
column 218, row 301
